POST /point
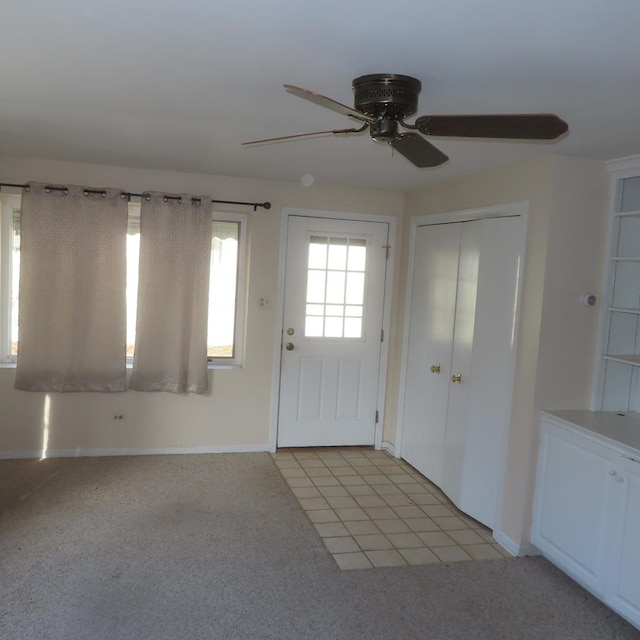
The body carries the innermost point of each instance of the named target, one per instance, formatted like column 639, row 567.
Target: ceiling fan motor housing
column 386, row 95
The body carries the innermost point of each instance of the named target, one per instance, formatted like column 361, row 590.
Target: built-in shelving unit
column 619, row 379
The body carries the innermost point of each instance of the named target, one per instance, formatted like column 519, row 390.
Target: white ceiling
column 179, row 85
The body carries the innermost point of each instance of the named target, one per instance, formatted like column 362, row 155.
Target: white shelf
column 619, row 371
column 624, row 310
column 633, row 360
column 628, row 214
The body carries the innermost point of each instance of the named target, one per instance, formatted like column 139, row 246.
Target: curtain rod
column 255, row 205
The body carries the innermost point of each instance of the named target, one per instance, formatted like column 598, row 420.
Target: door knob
column 289, row 346
column 456, row 378
column 435, row 368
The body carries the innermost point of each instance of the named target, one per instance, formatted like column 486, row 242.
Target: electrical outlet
column 264, row 302
column 118, row 417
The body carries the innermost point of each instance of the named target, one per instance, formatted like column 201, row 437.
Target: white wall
column 235, row 414
column 566, row 235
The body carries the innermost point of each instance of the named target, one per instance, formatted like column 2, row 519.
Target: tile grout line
column 300, row 466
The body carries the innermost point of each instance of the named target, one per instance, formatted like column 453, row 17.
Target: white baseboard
column 85, row 453
column 387, row 446
column 513, row 547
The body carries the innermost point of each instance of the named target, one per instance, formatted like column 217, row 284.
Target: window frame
column 241, row 290
column 11, row 203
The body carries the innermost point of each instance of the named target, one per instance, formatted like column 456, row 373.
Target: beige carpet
column 217, row 547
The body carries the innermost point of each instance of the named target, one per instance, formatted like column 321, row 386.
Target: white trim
column 286, row 213
column 514, row 548
column 606, row 289
column 512, row 209
column 84, row 453
column 242, row 287
column 624, row 167
column 388, row 446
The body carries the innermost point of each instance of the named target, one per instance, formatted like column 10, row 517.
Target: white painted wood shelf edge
column 633, row 360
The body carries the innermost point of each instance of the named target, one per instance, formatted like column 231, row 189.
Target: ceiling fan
column 382, row 101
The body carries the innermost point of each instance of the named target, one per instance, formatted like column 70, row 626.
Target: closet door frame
column 512, row 209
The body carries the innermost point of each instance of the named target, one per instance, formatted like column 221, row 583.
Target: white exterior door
column 333, row 309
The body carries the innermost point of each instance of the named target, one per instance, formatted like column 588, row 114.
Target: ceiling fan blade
column 417, row 150
column 305, row 135
column 533, row 126
column 323, row 101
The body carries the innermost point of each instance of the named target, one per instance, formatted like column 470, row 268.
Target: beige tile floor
column 373, row 510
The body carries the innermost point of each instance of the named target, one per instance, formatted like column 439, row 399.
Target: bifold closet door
column 458, row 383
column 488, row 396
column 457, row 415
column 431, row 322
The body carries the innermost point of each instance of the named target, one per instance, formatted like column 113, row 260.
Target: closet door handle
column 435, row 368
column 456, row 378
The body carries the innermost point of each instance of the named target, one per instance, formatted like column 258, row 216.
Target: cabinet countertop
column 622, row 428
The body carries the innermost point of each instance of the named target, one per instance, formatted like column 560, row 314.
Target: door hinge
column 377, row 416
column 381, row 335
column 387, row 248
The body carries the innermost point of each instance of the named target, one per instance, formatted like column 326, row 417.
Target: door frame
column 511, row 209
column 286, row 214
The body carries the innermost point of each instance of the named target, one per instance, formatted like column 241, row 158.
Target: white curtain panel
column 173, row 295
column 72, row 290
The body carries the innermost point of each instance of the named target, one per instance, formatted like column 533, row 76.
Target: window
column 335, row 287
column 226, row 288
column 9, row 276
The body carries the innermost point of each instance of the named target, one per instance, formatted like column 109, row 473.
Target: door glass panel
column 355, row 288
column 316, row 286
column 316, row 310
column 352, row 327
column 335, row 287
column 314, row 326
column 318, row 253
column 333, row 328
column 357, row 255
column 338, row 254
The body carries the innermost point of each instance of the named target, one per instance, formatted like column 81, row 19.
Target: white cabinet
column 586, row 517
column 624, row 593
column 620, row 366
column 571, row 515
column 459, row 357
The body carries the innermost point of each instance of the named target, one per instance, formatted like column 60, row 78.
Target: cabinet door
column 623, row 592
column 433, row 296
column 573, row 505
